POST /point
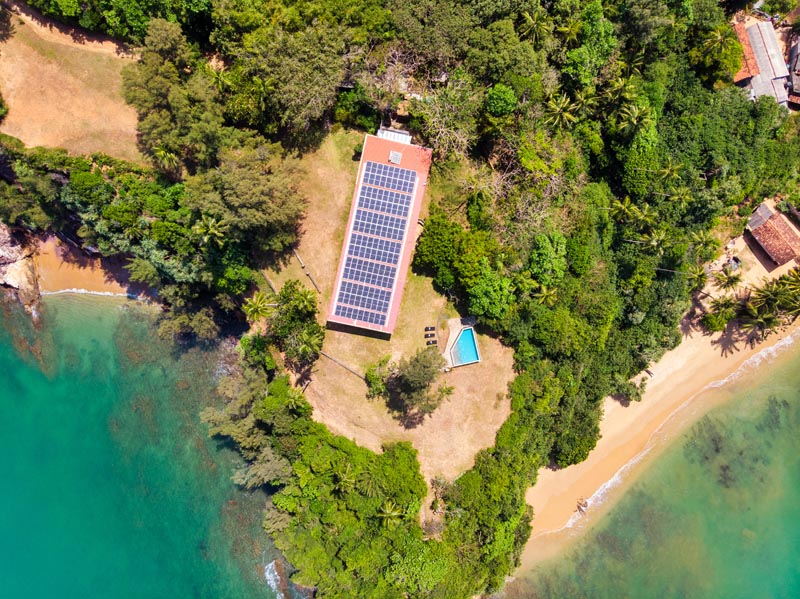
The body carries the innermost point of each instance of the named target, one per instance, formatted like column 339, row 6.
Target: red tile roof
column 749, row 64
column 778, row 239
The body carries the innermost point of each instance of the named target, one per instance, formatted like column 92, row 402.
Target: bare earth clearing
column 465, row 423
column 63, row 89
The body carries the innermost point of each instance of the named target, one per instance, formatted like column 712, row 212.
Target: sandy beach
column 672, row 401
column 60, row 267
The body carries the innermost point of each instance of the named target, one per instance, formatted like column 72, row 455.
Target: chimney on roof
column 395, row 157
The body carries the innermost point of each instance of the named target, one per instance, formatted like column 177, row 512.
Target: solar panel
column 373, row 248
column 362, row 315
column 362, row 296
column 390, row 177
column 372, row 273
column 380, row 225
column 381, row 200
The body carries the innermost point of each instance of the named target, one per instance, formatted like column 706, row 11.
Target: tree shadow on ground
column 7, row 28
column 728, row 341
column 77, row 34
column 71, row 252
column 690, row 323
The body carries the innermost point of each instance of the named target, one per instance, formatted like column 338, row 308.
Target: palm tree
column 727, row 280
column 791, row 306
column 633, row 65
column 257, row 307
column 219, row 77
column 770, row 295
column 369, row 482
column 758, row 323
column 546, row 295
column 535, row 26
column 167, row 160
column 703, row 241
column 719, row 40
column 682, row 196
column 306, row 344
column 584, row 101
column 343, row 479
column 645, row 216
column 696, row 277
column 633, row 117
column 304, row 301
column 570, row 31
column 619, row 89
column 623, row 210
column 209, row 228
column 656, row 240
column 390, row 514
column 559, row 112
column 724, row 307
column 792, row 281
column 670, row 171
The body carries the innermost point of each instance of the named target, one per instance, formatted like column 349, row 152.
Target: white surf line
column 599, row 496
column 76, row 291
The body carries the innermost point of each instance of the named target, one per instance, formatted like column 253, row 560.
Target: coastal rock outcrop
column 17, row 270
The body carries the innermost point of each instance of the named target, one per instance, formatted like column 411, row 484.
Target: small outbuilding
column 776, row 236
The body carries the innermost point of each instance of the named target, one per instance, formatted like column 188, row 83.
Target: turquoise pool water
column 465, row 351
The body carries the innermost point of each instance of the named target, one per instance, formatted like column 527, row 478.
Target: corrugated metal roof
column 402, row 137
column 767, row 51
column 773, row 75
column 759, row 217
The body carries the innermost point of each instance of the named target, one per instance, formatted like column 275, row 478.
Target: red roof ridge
column 749, row 65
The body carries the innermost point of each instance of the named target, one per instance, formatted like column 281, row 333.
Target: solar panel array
column 375, row 245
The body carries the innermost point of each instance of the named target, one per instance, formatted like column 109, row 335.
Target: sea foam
column 77, row 291
column 273, row 579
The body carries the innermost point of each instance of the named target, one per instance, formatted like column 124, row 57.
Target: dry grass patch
column 65, row 94
column 466, row 422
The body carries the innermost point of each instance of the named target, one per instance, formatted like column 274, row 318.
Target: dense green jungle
column 589, row 157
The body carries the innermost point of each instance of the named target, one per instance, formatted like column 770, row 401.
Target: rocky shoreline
column 18, row 269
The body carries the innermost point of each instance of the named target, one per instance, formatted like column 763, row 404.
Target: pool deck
column 454, row 326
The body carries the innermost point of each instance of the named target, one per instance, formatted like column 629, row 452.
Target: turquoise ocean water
column 716, row 515
column 109, row 486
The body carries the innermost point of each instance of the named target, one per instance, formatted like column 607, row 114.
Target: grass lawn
column 65, row 93
column 467, row 422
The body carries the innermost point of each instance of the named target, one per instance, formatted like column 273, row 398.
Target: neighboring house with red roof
column 776, row 236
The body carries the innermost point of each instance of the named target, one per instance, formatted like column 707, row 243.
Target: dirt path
column 63, row 88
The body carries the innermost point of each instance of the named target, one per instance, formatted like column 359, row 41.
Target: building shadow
column 346, row 328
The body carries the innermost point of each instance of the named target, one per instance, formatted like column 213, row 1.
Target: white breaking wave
column 101, row 293
column 273, row 580
column 599, row 496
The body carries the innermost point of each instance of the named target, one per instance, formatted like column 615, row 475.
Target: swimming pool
column 465, row 350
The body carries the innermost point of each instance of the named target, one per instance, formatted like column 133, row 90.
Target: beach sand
column 672, row 401
column 60, row 267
